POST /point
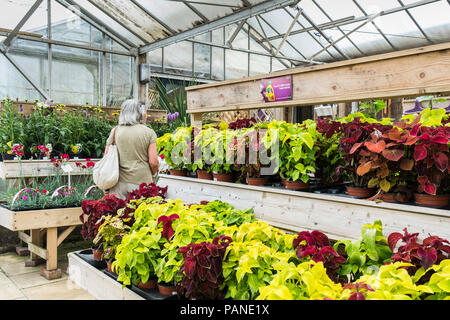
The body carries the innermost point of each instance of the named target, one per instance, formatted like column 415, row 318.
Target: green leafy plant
column 110, row 234
column 365, row 255
column 372, row 108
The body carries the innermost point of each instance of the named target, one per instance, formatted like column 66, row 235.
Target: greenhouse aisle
column 18, row 282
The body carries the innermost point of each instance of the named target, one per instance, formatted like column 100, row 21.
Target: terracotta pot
column 150, row 284
column 388, row 197
column 109, row 267
column 166, row 290
column 98, row 254
column 180, row 173
column 257, row 181
column 361, row 192
column 203, row 174
column 224, row 177
column 428, row 200
column 295, row 185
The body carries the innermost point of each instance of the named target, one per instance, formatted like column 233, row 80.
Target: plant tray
column 87, row 256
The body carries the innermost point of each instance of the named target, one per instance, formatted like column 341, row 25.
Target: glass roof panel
column 339, row 9
column 175, row 14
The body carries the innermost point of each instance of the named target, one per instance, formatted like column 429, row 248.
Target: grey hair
column 132, row 112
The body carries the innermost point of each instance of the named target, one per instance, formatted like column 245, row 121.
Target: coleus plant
column 328, row 157
column 202, row 269
column 94, row 210
column 386, row 157
column 177, row 148
column 431, row 251
column 366, row 254
column 431, row 157
column 297, row 150
column 317, row 247
column 147, row 191
column 242, row 123
column 355, row 135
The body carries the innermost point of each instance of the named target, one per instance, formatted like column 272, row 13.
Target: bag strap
column 113, row 142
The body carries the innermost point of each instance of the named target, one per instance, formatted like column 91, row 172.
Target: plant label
column 66, row 168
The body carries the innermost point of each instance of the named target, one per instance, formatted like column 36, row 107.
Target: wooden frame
column 154, row 115
column 338, row 217
column 404, row 73
column 40, row 223
column 10, row 169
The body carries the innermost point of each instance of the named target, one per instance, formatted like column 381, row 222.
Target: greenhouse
column 233, row 150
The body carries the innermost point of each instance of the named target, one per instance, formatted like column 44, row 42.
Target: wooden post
column 35, row 238
column 142, row 88
column 52, row 248
column 396, row 109
column 196, row 120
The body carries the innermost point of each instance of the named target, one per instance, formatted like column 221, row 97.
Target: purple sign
column 276, row 89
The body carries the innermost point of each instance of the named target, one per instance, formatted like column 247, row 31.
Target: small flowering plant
column 44, row 150
column 17, row 150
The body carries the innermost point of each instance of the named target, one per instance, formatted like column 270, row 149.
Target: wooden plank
column 35, row 238
column 38, row 219
column 41, row 252
column 13, row 169
column 393, row 75
column 64, row 234
column 373, row 58
column 24, row 237
column 52, row 248
column 339, row 217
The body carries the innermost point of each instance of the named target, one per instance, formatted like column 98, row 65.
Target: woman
column 136, row 145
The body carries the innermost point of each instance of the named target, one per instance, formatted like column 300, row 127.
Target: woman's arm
column 153, row 158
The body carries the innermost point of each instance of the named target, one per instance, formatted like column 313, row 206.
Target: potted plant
column 110, row 234
column 177, row 150
column 387, row 158
column 297, row 153
column 202, row 269
column 136, row 257
column 328, row 157
column 203, row 169
column 93, row 211
column 431, row 155
column 357, row 134
column 216, row 154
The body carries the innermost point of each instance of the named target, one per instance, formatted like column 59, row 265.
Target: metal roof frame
column 240, row 16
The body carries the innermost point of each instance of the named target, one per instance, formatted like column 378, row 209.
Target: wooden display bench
column 42, row 223
column 11, row 169
column 337, row 216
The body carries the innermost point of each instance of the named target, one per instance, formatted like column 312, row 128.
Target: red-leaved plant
column 359, row 289
column 242, row 123
column 431, row 251
column 317, row 246
column 94, row 210
column 147, row 191
column 431, row 156
column 168, row 231
column 202, row 269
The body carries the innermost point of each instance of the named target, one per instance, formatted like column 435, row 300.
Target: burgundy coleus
column 168, row 231
column 359, row 290
column 431, row 251
column 317, row 245
column 202, row 268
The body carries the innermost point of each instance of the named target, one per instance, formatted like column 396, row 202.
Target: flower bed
column 214, row 251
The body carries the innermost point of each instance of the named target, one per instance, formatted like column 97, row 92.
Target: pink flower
column 25, row 197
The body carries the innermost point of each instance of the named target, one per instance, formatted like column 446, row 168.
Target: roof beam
column 8, row 41
column 299, row 12
column 345, row 35
column 162, row 23
column 94, row 21
column 221, row 22
column 323, row 35
column 346, row 21
column 416, row 23
column 206, row 3
column 233, row 36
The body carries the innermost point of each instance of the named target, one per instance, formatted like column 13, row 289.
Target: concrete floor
column 18, row 282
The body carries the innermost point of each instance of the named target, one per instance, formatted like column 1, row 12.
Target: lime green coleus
column 176, row 148
column 137, row 254
column 306, row 281
column 297, row 149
